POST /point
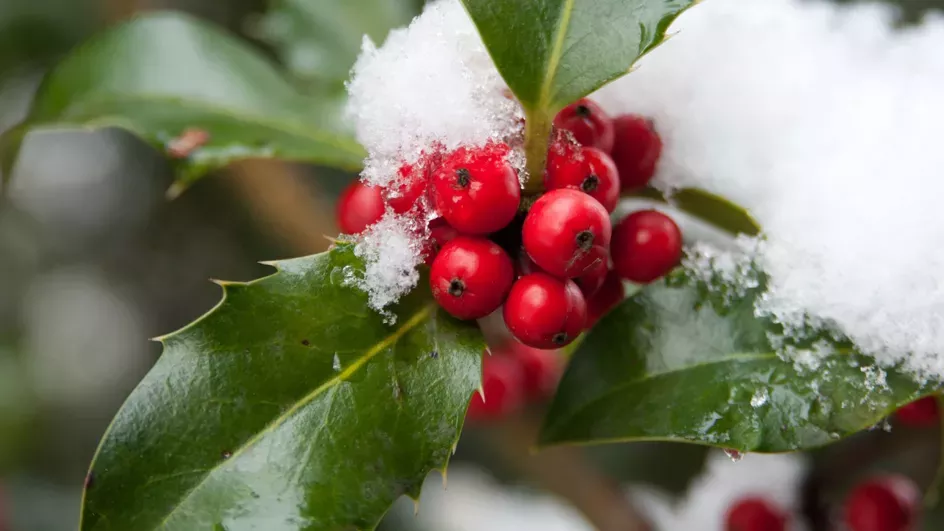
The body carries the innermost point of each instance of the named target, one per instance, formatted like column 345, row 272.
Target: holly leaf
column 319, row 41
column 688, row 360
column 291, row 405
column 191, row 91
column 553, row 52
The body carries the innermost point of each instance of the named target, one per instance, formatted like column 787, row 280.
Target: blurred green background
column 93, row 261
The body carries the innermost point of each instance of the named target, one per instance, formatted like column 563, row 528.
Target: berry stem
column 537, row 134
column 705, row 206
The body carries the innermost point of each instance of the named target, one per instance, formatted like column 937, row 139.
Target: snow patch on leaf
column 832, row 146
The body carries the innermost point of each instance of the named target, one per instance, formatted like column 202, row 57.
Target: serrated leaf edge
column 411, row 323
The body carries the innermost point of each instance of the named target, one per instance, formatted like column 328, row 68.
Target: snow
column 430, row 83
column 824, row 122
column 475, row 500
column 391, row 250
column 775, row 478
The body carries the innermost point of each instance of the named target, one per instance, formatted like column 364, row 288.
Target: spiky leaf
column 291, row 405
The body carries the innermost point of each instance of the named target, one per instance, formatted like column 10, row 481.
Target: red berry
column 440, row 233
column 611, row 293
column 646, row 245
column 470, row 277
column 541, row 369
column 502, row 384
column 412, row 181
column 477, row 190
column 636, row 150
column 589, row 124
column 545, row 312
column 592, row 280
column 406, row 189
column 591, row 171
column 920, row 413
column 567, row 233
column 887, row 503
column 754, row 514
column 359, row 207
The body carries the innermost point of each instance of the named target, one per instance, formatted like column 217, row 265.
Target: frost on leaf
column 826, row 128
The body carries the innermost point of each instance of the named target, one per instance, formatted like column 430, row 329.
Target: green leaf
column 319, row 41
column 552, row 52
column 291, row 405
column 707, row 207
column 682, row 362
column 162, row 75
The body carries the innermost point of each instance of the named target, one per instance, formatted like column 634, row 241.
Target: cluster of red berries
column 514, row 374
column 554, row 262
column 881, row 503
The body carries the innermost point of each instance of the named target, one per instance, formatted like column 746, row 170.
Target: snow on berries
column 444, row 185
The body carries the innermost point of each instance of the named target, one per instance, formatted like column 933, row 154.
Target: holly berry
column 646, row 245
column 920, row 413
column 359, row 207
column 543, row 311
column 541, row 369
column 589, row 124
column 887, row 503
column 754, row 514
column 567, row 233
column 611, row 293
column 477, row 190
column 636, row 150
column 593, row 279
column 412, row 181
column 502, row 385
column 440, row 233
column 470, row 277
column 591, row 171
column 409, row 185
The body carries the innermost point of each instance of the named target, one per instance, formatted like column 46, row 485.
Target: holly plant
column 294, row 404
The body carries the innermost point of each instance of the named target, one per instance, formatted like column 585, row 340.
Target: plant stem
column 537, row 134
column 565, row 472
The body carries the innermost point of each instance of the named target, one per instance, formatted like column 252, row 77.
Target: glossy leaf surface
column 681, row 362
column 291, row 405
column 193, row 92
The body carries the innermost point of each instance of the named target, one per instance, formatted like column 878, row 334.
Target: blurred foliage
column 36, row 32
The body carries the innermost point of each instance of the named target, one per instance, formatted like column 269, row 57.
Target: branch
column 288, row 209
column 567, row 473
